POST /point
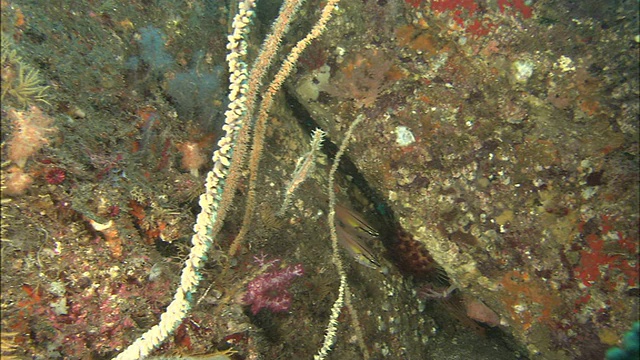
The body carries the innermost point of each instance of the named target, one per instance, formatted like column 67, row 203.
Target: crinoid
column 19, row 80
column 27, row 87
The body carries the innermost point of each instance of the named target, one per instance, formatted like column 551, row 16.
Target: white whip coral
column 31, row 130
column 305, row 166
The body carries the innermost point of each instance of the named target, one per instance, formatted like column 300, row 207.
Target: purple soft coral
column 269, row 290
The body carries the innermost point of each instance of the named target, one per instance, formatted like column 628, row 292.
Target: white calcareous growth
column 404, row 136
column 522, row 70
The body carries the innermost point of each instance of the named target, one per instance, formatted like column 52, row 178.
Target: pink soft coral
column 269, row 290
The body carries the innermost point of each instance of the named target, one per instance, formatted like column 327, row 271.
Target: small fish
column 350, row 219
column 356, row 247
column 352, row 231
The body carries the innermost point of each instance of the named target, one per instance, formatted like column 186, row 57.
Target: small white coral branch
column 304, row 167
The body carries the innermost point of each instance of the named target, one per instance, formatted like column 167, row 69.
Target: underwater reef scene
column 355, row 179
